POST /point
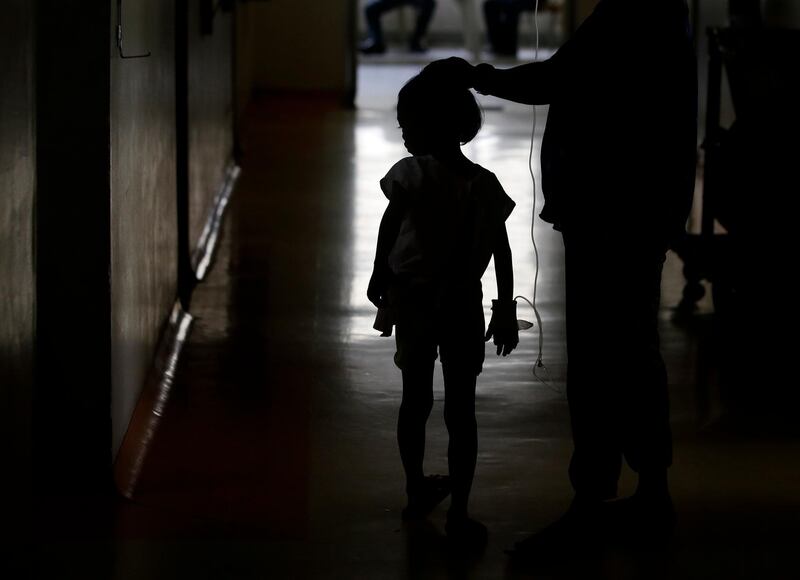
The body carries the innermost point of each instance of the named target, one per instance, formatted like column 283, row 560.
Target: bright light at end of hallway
column 377, row 147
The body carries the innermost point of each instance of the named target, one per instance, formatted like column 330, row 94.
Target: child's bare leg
column 462, row 454
column 414, row 412
column 459, row 416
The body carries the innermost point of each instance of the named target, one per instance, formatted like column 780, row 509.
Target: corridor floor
column 276, row 456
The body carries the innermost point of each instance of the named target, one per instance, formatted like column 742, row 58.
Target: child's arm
column 503, row 326
column 387, row 234
column 503, row 268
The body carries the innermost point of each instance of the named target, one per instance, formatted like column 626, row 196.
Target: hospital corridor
column 192, row 383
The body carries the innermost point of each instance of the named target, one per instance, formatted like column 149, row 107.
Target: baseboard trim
column 158, row 386
column 203, row 255
column 150, row 408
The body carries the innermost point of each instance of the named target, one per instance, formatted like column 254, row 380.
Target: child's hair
column 432, row 104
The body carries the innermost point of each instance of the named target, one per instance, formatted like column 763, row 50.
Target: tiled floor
column 276, row 457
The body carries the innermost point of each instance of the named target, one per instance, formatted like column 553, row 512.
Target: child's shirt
column 451, row 222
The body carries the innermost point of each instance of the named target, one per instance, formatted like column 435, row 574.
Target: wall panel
column 302, row 45
column 72, row 398
column 143, row 200
column 210, row 111
column 17, row 282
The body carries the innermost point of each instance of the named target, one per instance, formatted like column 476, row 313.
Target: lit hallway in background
column 276, row 455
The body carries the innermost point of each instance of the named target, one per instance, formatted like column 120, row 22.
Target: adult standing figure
column 375, row 10
column 618, row 167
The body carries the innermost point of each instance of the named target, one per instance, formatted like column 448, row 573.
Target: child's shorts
column 455, row 330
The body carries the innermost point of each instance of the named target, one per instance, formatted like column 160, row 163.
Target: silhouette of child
column 444, row 222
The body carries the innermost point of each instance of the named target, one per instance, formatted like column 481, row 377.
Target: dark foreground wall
column 71, row 406
column 17, row 290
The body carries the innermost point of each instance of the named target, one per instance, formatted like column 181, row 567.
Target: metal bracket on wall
column 119, row 37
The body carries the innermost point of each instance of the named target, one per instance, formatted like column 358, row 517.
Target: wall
column 210, row 112
column 17, row 282
column 143, row 201
column 302, row 45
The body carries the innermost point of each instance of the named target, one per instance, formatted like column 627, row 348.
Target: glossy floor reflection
column 277, row 458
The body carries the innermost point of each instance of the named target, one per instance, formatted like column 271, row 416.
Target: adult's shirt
column 619, row 148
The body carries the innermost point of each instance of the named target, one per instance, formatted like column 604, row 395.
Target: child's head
column 435, row 115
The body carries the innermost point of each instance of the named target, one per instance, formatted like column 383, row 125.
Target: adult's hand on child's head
column 453, row 71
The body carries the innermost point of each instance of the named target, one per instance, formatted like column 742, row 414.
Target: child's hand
column 503, row 326
column 376, row 291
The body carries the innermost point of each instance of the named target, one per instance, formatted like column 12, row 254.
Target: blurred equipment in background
column 747, row 181
column 746, row 247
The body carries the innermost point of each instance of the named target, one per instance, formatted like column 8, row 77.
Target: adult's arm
column 534, row 83
column 540, row 83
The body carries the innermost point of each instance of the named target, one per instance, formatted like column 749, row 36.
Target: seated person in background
column 502, row 22
column 374, row 11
